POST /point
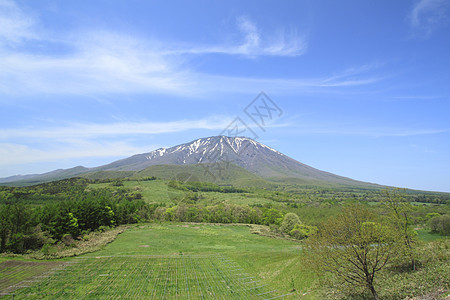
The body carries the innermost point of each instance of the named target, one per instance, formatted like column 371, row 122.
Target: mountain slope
column 253, row 156
column 214, row 155
column 45, row 177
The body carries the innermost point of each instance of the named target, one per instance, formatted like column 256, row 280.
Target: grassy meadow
column 206, row 261
column 182, row 261
column 158, row 191
column 170, row 259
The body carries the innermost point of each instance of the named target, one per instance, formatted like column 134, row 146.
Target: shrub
column 68, row 240
column 37, row 238
column 46, row 249
column 103, row 228
column 272, row 216
column 441, row 225
column 301, row 231
column 289, row 221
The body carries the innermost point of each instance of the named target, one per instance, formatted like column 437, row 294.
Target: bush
column 272, row 216
column 37, row 239
column 103, row 228
column 117, row 183
column 289, row 221
column 16, row 243
column 441, row 225
column 46, row 249
column 301, row 231
column 68, row 240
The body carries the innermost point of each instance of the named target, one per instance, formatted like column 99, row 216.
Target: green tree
column 301, row 231
column 72, row 224
column 5, row 225
column 354, row 246
column 401, row 217
column 169, row 214
column 272, row 216
column 441, row 225
column 289, row 221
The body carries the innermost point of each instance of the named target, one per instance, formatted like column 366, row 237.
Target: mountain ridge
column 212, row 153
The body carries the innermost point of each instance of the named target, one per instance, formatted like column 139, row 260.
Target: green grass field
column 151, row 277
column 427, row 236
column 182, row 261
column 198, row 261
column 157, row 191
column 16, row 274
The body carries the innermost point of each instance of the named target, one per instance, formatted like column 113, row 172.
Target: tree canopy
column 354, row 246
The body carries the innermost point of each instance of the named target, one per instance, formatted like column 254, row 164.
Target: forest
column 37, row 216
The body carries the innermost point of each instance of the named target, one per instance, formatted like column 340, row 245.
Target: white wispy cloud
column 357, row 76
column 78, row 142
column 428, row 15
column 21, row 146
column 102, row 62
column 392, row 131
column 415, row 97
column 253, row 43
column 365, row 131
column 110, row 64
column 13, row 154
column 90, row 131
column 85, row 141
column 127, row 70
column 15, row 25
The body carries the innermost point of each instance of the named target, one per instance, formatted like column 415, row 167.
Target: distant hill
column 218, row 158
column 45, row 177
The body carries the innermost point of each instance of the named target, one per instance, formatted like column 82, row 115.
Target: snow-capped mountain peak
column 243, row 152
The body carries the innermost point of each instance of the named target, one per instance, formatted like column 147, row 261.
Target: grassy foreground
column 207, row 261
column 182, row 261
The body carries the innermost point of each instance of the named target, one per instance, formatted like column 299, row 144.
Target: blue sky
column 364, row 86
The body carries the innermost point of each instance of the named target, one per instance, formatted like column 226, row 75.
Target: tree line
column 32, row 217
column 29, row 226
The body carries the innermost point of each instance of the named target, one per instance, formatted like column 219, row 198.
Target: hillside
column 227, row 160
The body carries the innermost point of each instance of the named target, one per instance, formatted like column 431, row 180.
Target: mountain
column 45, row 177
column 249, row 154
column 214, row 155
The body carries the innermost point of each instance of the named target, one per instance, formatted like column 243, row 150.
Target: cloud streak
column 86, row 132
column 92, row 140
column 91, row 131
column 13, row 154
column 428, row 15
column 130, row 71
column 253, row 43
column 15, row 25
column 102, row 62
column 30, row 146
column 366, row 131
